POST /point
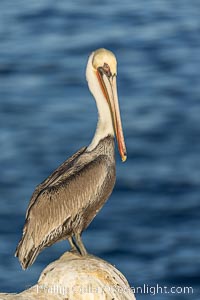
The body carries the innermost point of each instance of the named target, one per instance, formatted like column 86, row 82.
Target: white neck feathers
column 104, row 125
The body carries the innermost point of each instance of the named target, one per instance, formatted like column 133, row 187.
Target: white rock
column 73, row 277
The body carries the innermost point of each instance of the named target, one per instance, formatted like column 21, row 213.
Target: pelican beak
column 108, row 86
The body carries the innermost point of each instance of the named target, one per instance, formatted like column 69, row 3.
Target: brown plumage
column 67, row 201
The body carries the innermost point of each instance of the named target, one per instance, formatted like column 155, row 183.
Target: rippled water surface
column 149, row 228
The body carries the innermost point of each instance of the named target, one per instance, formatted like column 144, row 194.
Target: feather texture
column 68, row 200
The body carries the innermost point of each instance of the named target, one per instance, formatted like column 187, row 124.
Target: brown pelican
column 64, row 204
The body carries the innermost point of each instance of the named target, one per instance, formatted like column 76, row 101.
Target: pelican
column 64, row 204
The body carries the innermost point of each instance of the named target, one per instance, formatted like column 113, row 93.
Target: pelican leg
column 72, row 244
column 80, row 245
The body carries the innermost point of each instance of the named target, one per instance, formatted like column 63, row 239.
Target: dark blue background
column 149, row 228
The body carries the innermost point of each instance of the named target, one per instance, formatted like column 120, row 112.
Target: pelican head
column 105, row 59
column 101, row 75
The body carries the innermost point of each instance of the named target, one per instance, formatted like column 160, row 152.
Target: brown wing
column 66, row 201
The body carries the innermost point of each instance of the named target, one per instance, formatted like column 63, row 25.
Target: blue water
column 150, row 227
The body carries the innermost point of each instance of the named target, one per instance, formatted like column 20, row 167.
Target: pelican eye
column 105, row 70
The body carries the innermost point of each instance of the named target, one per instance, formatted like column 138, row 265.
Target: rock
column 73, row 277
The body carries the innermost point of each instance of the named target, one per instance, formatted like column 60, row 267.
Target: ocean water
column 150, row 227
